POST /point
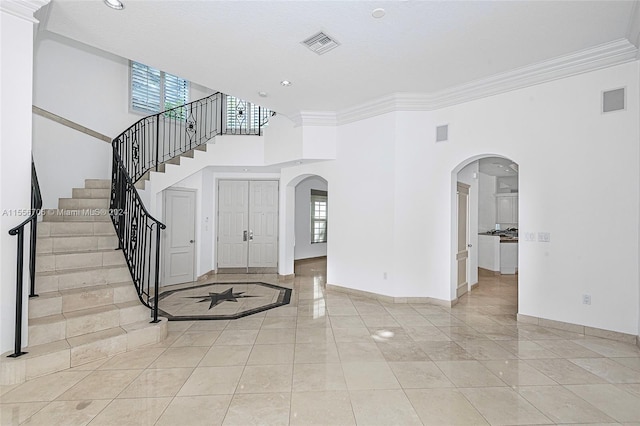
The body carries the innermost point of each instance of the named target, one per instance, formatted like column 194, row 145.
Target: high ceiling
column 245, row 47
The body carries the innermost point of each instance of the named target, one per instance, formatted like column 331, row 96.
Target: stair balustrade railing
column 32, row 221
column 143, row 148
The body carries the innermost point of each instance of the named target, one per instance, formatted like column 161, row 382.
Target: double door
column 247, row 226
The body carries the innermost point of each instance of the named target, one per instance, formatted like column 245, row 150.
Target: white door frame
column 165, row 241
column 462, row 247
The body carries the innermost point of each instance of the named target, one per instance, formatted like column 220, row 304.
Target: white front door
column 233, row 223
column 263, row 224
column 179, row 259
column 247, row 225
column 462, row 254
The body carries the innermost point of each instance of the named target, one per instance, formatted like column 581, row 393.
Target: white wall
column 486, row 202
column 303, row 247
column 16, row 56
column 469, row 175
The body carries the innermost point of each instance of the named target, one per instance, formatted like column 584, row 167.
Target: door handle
column 251, row 235
column 191, row 241
column 469, row 245
column 244, row 236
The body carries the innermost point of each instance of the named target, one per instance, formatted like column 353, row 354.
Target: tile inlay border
column 226, row 294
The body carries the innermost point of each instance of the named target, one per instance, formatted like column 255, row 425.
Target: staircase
column 87, row 308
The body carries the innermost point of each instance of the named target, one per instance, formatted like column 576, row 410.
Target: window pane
column 145, row 88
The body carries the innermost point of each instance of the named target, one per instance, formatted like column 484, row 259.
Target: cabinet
column 507, row 208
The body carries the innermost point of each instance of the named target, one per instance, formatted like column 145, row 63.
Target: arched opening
column 485, row 232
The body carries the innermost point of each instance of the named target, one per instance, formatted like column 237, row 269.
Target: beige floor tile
column 137, row 359
column 266, row 379
column 633, row 389
column 246, row 323
column 196, row 411
column 138, row 412
column 517, row 373
column 351, row 321
column 157, row 382
column 314, row 335
column 378, row 320
column 271, row 354
column 259, row 409
column 16, row 413
column 613, row 401
column 564, row 371
column 396, row 351
column 342, row 335
column 196, row 338
column 313, row 322
column 562, row 406
column 180, row 357
column 310, row 353
column 237, row 337
column 318, row 377
column 504, row 406
column 526, row 349
column 359, row 352
column 383, row 407
column 610, row 348
column 212, row 381
column 207, row 325
column 633, row 363
column 283, row 322
column 444, row 407
column 567, row 349
column 608, row 369
column 445, row 351
column 429, row 334
column 103, row 384
column 321, row 408
column 45, row 388
column 68, row 413
column 226, row 355
column 469, row 374
column 419, row 375
column 275, row 336
column 369, row 375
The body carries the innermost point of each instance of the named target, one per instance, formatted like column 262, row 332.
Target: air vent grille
column 321, row 43
column 442, row 133
column 613, row 100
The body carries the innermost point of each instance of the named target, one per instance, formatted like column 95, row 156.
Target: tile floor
column 334, row 359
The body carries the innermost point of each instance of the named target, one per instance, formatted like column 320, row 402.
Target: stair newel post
column 156, row 278
column 19, row 271
column 157, row 141
column 32, row 257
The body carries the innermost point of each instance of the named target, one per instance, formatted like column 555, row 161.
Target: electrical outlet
column 586, row 299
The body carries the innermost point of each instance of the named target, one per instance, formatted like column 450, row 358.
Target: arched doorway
column 485, row 224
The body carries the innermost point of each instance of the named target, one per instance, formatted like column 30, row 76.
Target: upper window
column 245, row 115
column 153, row 91
column 318, row 216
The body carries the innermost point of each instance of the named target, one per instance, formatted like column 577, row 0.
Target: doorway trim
column 165, row 241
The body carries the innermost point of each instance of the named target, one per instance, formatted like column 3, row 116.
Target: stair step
column 76, row 215
column 66, row 280
column 84, row 203
column 97, row 183
column 104, row 193
column 78, row 260
column 49, row 245
column 72, row 229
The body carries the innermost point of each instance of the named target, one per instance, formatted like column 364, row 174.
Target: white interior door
column 263, row 224
column 233, row 223
column 462, row 255
column 179, row 258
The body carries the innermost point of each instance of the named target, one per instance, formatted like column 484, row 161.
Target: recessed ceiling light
column 378, row 13
column 245, row 170
column 263, row 94
column 114, row 4
column 285, row 83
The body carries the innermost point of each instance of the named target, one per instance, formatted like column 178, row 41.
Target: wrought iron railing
column 146, row 145
column 32, row 220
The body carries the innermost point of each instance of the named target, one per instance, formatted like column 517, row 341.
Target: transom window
column 153, row 91
column 318, row 216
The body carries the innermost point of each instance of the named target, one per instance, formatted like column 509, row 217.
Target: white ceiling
column 243, row 47
column 497, row 166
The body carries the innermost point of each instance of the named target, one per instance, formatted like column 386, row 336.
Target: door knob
column 244, row 235
column 191, row 241
column 250, row 235
column 469, row 245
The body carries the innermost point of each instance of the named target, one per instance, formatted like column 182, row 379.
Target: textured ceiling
column 243, row 47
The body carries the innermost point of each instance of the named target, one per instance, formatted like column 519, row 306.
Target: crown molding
column 598, row 57
column 23, row 9
column 314, row 118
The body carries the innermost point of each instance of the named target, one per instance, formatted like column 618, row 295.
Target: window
column 153, row 90
column 318, row 216
column 245, row 115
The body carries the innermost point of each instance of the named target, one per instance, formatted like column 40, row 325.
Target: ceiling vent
column 613, row 100
column 320, row 43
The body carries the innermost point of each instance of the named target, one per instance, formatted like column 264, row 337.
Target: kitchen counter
column 496, row 252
